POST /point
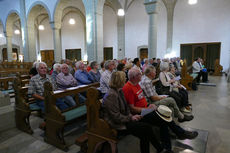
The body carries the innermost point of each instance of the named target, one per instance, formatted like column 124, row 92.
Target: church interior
column 96, row 33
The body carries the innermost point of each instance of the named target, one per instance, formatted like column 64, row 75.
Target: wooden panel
column 47, row 56
column 14, row 55
column 108, row 53
column 143, row 53
column 73, row 54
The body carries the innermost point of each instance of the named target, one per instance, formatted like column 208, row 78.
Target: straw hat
column 164, row 112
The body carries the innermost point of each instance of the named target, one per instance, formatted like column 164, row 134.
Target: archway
column 13, row 36
column 38, row 15
column 73, row 33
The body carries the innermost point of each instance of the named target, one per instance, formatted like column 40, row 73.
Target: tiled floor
column 211, row 108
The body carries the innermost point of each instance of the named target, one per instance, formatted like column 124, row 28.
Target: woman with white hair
column 167, row 86
column 56, row 70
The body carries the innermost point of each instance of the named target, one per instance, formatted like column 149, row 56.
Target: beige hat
column 164, row 112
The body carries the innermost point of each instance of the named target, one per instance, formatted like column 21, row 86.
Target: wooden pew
column 98, row 130
column 187, row 79
column 218, row 68
column 5, row 85
column 23, row 107
column 56, row 119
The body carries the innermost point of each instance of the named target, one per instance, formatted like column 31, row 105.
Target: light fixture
column 71, row 21
column 1, row 35
column 17, row 32
column 41, row 27
column 120, row 12
column 192, row 2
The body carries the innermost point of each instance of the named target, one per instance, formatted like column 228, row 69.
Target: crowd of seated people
column 131, row 102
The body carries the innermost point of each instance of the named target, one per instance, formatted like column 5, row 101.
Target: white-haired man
column 150, row 92
column 81, row 75
column 56, row 70
column 36, row 88
column 66, row 80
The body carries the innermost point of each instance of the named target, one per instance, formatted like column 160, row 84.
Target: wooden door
column 47, row 56
column 108, row 53
column 4, row 54
column 199, row 51
column 143, row 53
column 73, row 54
column 14, row 54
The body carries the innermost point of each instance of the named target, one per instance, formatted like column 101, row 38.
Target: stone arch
column 2, row 23
column 36, row 9
column 11, row 17
column 37, row 3
column 61, row 5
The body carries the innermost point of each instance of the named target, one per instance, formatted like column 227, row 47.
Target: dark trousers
column 184, row 95
column 59, row 103
column 145, row 133
column 204, row 76
column 153, row 119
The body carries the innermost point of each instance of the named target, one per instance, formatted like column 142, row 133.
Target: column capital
column 55, row 25
column 151, row 6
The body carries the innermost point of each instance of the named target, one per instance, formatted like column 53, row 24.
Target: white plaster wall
column 2, row 39
column 73, row 35
column 136, row 29
column 208, row 21
column 110, row 29
column 46, row 36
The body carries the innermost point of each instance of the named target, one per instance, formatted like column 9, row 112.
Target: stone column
column 121, row 37
column 94, row 29
column 57, row 41
column 32, row 42
column 9, row 47
column 24, row 31
column 150, row 6
column 170, row 5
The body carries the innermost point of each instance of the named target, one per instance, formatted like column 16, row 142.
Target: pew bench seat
column 75, row 113
column 55, row 119
column 34, row 107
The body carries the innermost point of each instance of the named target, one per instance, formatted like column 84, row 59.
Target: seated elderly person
column 169, row 85
column 95, row 74
column 137, row 103
column 66, row 80
column 116, row 112
column 81, row 75
column 36, row 88
column 197, row 67
column 150, row 92
column 56, row 70
column 104, row 81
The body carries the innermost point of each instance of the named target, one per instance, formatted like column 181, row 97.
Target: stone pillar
column 150, row 6
column 170, row 5
column 94, row 29
column 121, row 37
column 9, row 47
column 57, row 41
column 24, row 31
column 32, row 42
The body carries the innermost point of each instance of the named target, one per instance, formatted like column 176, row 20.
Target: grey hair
column 149, row 69
column 107, row 64
column 133, row 72
column 55, row 66
column 145, row 60
column 164, row 66
column 77, row 65
column 40, row 63
column 64, row 64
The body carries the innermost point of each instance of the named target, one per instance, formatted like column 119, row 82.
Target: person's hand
column 163, row 97
column 136, row 117
column 152, row 106
column 172, row 81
